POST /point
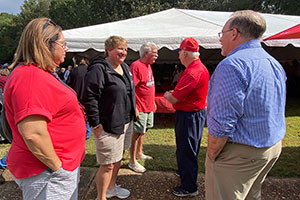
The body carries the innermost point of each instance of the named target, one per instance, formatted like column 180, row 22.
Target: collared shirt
column 246, row 97
column 191, row 88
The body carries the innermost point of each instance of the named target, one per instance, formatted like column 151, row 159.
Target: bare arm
column 215, row 146
column 168, row 95
column 36, row 136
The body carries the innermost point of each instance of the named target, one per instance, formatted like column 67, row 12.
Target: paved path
column 154, row 185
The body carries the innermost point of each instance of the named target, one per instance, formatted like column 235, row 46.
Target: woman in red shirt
column 47, row 123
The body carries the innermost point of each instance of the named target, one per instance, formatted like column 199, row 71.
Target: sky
column 11, row 6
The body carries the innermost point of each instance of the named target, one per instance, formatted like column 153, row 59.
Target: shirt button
column 252, row 160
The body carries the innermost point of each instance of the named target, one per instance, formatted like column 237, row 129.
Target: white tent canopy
column 168, row 28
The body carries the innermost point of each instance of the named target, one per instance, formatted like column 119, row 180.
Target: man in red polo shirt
column 189, row 101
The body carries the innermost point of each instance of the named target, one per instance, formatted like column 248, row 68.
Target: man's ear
column 235, row 33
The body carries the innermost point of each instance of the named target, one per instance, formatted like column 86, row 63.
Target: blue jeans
column 188, row 130
column 3, row 162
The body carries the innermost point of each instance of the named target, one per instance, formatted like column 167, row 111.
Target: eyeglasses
column 220, row 34
column 64, row 45
column 49, row 21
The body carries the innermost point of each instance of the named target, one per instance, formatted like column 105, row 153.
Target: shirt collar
column 246, row 45
column 194, row 62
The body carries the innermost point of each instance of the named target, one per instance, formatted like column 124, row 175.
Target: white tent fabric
column 168, row 28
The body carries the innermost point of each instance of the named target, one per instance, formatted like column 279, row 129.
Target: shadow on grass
column 165, row 157
column 89, row 161
column 165, row 160
column 164, row 120
column 288, row 163
column 292, row 107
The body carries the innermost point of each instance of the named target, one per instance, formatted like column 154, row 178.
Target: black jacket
column 76, row 80
column 105, row 95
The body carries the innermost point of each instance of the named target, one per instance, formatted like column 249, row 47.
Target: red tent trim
column 290, row 33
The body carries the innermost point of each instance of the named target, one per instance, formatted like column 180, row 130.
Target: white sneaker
column 137, row 167
column 119, row 192
column 144, row 157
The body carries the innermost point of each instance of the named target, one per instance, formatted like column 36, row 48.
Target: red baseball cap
column 189, row 44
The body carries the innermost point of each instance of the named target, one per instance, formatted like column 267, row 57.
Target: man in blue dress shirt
column 246, row 112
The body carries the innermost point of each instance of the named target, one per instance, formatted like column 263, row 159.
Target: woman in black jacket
column 109, row 99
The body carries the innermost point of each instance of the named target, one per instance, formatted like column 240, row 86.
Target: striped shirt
column 246, row 97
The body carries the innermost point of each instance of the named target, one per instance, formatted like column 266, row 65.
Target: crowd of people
column 50, row 112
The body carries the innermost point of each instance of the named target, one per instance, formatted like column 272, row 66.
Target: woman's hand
column 97, row 130
column 37, row 138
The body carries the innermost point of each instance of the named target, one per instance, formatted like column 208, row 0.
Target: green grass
column 160, row 143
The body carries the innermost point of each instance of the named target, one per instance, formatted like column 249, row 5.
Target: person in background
column 46, row 120
column 3, row 166
column 189, row 101
column 76, row 82
column 61, row 72
column 4, row 72
column 177, row 73
column 67, row 73
column 145, row 103
column 246, row 112
column 109, row 99
column 76, row 77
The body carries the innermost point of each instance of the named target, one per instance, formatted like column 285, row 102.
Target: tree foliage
column 11, row 26
column 78, row 13
column 287, row 7
column 7, row 33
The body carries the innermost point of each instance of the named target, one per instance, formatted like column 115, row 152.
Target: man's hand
column 137, row 114
column 215, row 146
column 168, row 95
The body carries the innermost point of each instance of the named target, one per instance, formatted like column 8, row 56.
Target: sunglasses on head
column 49, row 21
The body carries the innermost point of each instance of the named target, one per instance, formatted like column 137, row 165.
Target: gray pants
column 50, row 185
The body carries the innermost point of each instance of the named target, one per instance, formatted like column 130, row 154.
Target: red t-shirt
column 144, row 86
column 32, row 91
column 191, row 88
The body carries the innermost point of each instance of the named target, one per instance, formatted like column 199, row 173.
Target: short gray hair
column 146, row 48
column 191, row 53
column 249, row 23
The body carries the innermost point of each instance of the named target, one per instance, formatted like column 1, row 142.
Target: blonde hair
column 111, row 42
column 84, row 61
column 249, row 23
column 36, row 43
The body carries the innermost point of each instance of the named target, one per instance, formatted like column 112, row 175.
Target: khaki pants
column 239, row 171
